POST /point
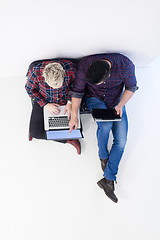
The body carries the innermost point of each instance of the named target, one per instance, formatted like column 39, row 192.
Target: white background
column 47, row 191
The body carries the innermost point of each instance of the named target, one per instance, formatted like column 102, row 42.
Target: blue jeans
column 119, row 130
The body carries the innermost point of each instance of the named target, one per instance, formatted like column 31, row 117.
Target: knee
column 121, row 143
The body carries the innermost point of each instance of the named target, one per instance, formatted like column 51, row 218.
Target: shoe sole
column 101, row 186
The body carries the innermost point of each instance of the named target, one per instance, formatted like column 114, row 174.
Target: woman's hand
column 52, row 108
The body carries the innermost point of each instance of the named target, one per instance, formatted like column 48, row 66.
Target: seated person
column 48, row 85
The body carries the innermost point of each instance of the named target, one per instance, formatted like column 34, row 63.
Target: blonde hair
column 53, row 74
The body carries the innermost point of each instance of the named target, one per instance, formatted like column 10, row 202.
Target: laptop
column 105, row 115
column 57, row 126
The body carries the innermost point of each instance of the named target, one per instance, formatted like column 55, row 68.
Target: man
column 108, row 81
column 48, row 85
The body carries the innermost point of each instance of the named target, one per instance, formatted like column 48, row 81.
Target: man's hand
column 68, row 109
column 73, row 124
column 119, row 110
column 125, row 98
column 74, row 115
column 52, row 108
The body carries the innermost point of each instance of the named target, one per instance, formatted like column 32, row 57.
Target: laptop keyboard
column 61, row 121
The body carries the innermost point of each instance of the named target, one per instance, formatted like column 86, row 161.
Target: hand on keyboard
column 52, row 107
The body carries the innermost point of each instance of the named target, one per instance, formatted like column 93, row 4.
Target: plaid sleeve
column 32, row 88
column 129, row 76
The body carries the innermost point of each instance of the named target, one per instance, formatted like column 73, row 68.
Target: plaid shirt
column 41, row 92
column 110, row 91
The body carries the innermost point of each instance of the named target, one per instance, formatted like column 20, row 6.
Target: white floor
column 49, row 192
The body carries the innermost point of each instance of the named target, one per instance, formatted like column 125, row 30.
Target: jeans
column 119, row 130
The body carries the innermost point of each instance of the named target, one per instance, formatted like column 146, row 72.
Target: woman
column 48, row 85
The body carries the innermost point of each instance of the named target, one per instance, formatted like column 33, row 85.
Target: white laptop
column 57, row 125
